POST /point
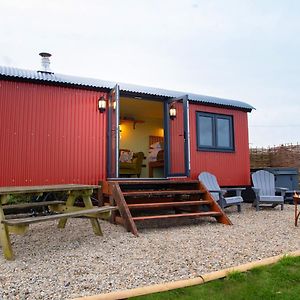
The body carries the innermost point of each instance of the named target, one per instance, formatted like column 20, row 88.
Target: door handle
column 184, row 135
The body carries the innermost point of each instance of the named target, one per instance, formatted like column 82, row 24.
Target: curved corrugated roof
column 97, row 83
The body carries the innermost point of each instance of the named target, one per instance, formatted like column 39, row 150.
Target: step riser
column 162, row 196
column 189, row 215
column 160, row 199
column 161, row 193
column 166, row 208
column 157, row 188
column 158, row 182
column 168, row 205
column 158, row 185
column 167, row 218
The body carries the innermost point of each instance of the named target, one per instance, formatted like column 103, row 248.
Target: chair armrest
column 281, row 190
column 237, row 190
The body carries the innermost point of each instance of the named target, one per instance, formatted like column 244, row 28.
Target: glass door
column 177, row 154
column 113, row 133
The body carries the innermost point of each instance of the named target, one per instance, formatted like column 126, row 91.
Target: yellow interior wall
column 137, row 139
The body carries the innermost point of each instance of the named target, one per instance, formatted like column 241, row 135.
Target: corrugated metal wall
column 230, row 168
column 50, row 135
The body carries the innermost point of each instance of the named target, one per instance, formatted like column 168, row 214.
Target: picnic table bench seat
column 89, row 213
column 62, row 210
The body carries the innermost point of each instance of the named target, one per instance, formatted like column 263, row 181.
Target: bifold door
column 177, row 155
column 113, row 133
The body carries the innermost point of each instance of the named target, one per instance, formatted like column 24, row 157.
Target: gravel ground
column 63, row 264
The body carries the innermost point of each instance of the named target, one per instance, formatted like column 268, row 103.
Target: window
column 214, row 132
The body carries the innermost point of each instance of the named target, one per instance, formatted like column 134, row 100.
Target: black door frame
column 186, row 134
column 113, row 166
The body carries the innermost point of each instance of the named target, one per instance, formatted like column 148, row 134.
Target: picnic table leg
column 88, row 204
column 4, row 234
column 70, row 202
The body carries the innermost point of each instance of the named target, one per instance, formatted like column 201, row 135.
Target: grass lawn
column 278, row 281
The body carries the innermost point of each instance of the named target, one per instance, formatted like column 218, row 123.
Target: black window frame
column 215, row 147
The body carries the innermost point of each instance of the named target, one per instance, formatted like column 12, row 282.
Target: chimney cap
column 45, row 54
column 45, row 67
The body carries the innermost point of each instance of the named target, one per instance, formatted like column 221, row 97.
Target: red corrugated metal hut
column 64, row 129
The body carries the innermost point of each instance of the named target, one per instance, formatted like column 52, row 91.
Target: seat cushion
column 126, row 165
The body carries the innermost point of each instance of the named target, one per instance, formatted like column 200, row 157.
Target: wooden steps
column 140, row 200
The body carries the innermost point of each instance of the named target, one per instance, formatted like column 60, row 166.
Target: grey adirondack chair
column 211, row 184
column 264, row 188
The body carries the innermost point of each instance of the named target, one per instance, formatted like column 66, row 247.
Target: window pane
column 205, row 131
column 223, row 133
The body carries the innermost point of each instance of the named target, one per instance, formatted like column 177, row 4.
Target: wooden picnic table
column 296, row 202
column 63, row 210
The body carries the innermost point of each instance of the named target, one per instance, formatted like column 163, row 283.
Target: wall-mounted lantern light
column 114, row 105
column 172, row 112
column 101, row 104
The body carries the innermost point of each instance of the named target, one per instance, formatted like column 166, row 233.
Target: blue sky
column 244, row 50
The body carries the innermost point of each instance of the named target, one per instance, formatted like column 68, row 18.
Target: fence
column 287, row 155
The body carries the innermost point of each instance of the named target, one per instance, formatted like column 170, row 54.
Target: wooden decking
column 140, row 200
